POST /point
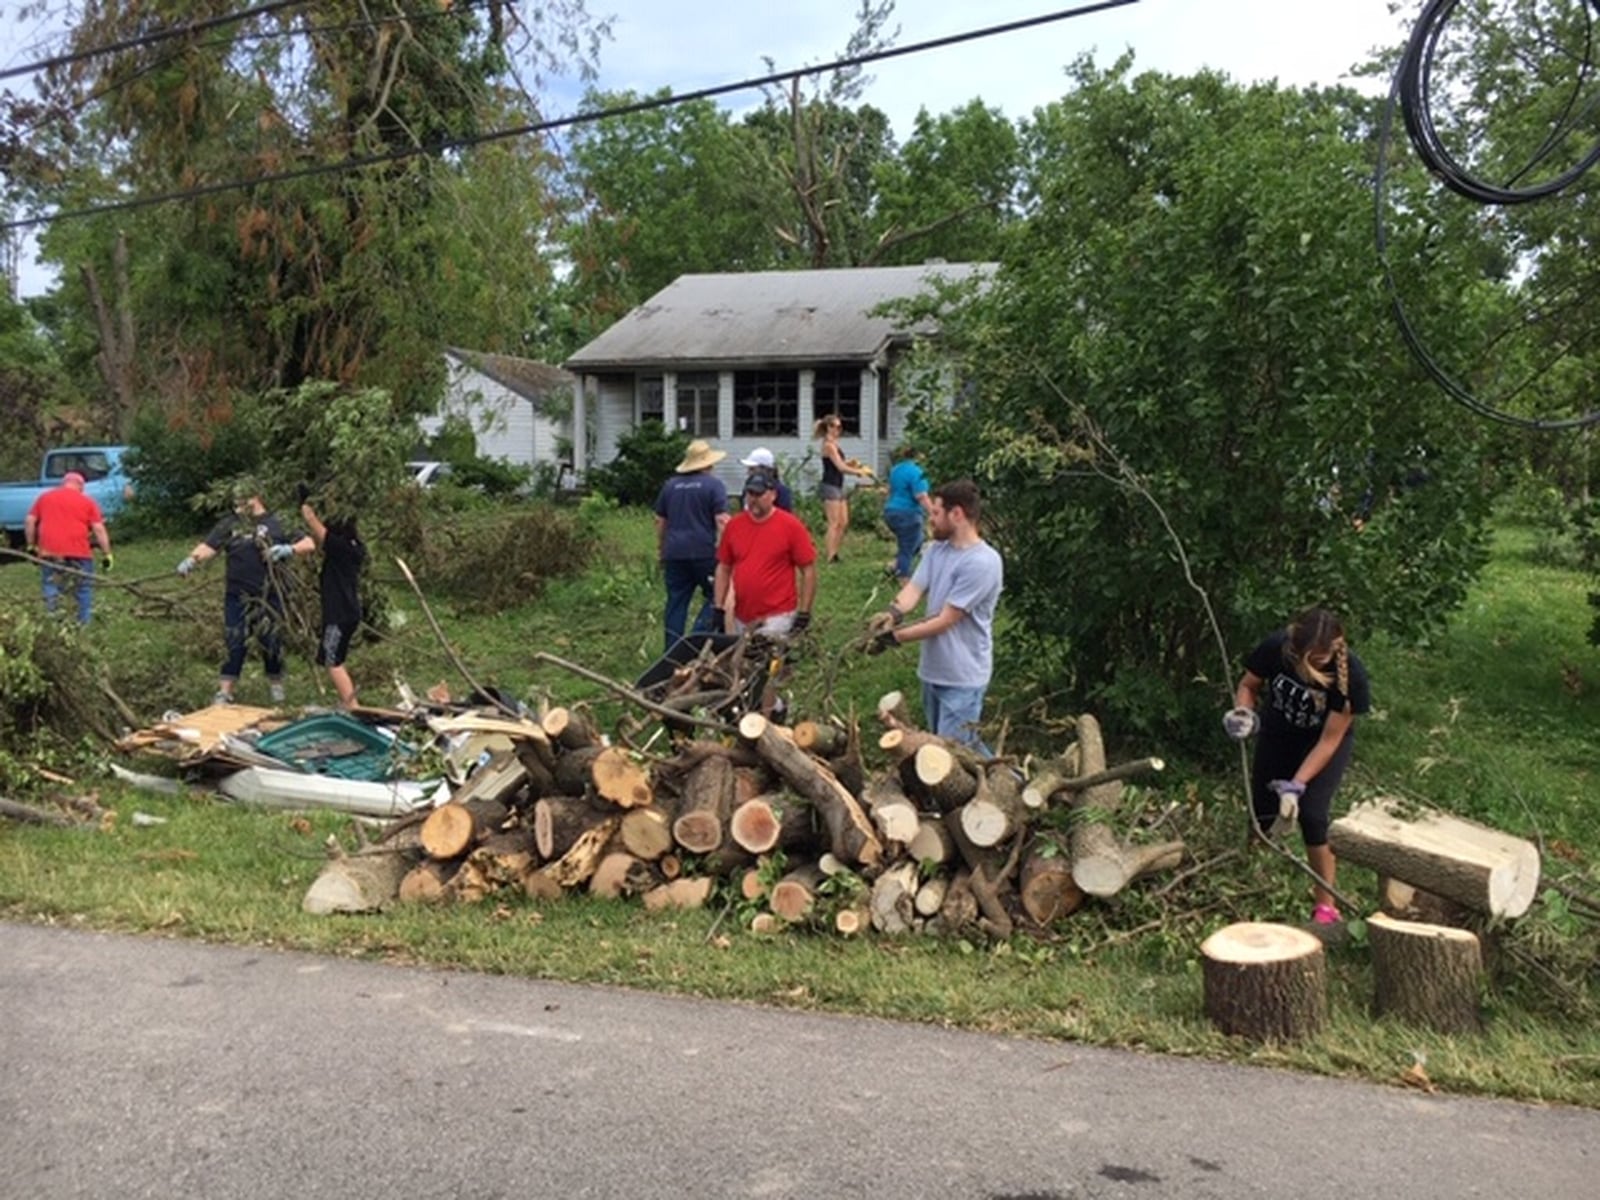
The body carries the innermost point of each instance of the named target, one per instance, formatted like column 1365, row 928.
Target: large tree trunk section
column 358, row 883
column 996, row 812
column 1428, row 975
column 570, row 729
column 1264, row 982
column 851, row 836
column 708, row 792
column 453, row 829
column 680, row 893
column 1472, row 864
column 620, row 779
column 1045, row 885
column 795, row 895
column 1110, row 867
column 558, row 822
column 425, row 882
column 946, row 780
column 646, row 833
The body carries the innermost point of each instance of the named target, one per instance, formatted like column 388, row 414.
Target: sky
column 690, row 44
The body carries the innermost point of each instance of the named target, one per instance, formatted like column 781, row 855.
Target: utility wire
column 1411, row 95
column 149, row 39
column 442, row 145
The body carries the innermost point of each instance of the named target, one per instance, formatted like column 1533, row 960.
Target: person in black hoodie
column 343, row 556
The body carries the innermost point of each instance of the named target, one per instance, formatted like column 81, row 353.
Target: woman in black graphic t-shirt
column 1302, row 688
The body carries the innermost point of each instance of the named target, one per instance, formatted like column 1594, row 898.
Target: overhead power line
column 443, row 145
column 150, row 39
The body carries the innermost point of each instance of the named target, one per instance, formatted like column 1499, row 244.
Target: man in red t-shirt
column 57, row 529
column 769, row 559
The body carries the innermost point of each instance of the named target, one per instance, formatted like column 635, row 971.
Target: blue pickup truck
column 101, row 468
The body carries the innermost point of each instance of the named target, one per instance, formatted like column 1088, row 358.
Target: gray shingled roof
column 530, row 379
column 764, row 317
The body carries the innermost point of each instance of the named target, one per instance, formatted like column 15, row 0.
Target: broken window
column 650, row 397
column 838, row 390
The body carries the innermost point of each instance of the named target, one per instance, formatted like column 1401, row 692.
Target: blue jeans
column 245, row 615
column 56, row 582
column 907, row 528
column 953, row 712
column 683, row 576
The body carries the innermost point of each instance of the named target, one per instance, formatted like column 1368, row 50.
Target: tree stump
column 1265, row 982
column 1428, row 975
column 356, row 883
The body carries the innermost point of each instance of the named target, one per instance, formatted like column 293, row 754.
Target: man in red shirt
column 57, row 529
column 770, row 561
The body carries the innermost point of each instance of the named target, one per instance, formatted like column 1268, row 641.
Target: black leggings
column 1276, row 761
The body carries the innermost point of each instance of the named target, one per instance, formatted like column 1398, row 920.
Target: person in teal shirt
column 907, row 509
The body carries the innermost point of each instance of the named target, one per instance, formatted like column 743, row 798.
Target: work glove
column 187, row 565
column 880, row 622
column 107, row 561
column 302, row 491
column 883, row 641
column 280, row 552
column 1289, row 792
column 1240, row 723
column 802, row 622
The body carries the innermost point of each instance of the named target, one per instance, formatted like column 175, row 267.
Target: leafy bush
column 646, row 458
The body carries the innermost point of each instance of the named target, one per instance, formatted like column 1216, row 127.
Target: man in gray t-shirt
column 961, row 575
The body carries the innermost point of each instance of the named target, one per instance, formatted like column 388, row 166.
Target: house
column 746, row 360
column 519, row 409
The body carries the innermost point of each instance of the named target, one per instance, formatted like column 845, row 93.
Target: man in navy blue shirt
column 691, row 510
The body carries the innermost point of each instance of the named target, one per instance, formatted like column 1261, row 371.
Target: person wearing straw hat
column 691, row 510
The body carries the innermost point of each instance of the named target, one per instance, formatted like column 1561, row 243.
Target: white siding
column 505, row 423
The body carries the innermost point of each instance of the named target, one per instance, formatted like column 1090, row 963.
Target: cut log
column 959, row 911
column 1264, row 982
column 577, row 864
column 1407, row 903
column 850, row 834
column 1108, row 867
column 358, row 883
column 894, row 899
column 571, row 774
column 558, row 822
column 469, row 885
column 1486, row 870
column 892, row 711
column 619, row 778
column 753, row 883
column 538, row 761
column 988, row 879
column 930, row 896
column 1102, row 864
column 775, row 821
column 453, row 829
column 680, row 893
column 425, row 882
column 822, row 739
column 540, row 885
column 901, row 744
column 708, row 792
column 765, row 922
column 931, row 843
column 893, row 814
column 1051, row 787
column 795, row 895
column 1428, row 975
column 1045, row 885
column 670, row 866
column 506, row 856
column 946, row 780
column 570, row 729
column 996, row 811
column 1049, row 778
column 619, row 874
column 853, row 920
column 646, row 833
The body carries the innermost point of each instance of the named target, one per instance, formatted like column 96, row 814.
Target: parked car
column 104, row 479
column 429, row 472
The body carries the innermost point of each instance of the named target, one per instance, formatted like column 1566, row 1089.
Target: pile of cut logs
column 936, row 839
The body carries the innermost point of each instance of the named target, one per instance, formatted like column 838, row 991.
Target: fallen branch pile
column 787, row 821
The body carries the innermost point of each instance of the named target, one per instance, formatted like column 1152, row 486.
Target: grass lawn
column 1498, row 719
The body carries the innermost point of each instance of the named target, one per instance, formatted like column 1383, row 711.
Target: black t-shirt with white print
column 1293, row 709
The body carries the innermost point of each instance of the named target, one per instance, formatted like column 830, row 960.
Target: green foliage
column 1183, row 370
column 646, row 458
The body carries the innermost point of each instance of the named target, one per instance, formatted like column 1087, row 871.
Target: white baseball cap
column 759, row 457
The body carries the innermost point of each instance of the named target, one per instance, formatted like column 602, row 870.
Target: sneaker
column 1325, row 914
column 222, row 698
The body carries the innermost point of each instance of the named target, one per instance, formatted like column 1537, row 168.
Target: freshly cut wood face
column 1258, row 942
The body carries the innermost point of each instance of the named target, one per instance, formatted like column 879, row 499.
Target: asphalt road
column 145, row 1067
